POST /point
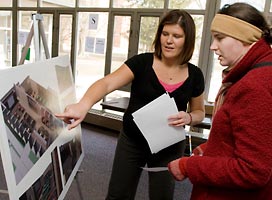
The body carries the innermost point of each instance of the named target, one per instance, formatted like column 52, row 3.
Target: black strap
column 263, row 64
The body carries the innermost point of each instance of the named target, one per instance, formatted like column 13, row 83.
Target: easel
column 36, row 30
column 78, row 185
column 2, row 191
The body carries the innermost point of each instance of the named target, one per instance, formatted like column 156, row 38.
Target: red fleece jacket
column 237, row 161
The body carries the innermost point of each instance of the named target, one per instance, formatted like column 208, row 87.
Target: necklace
column 170, row 76
column 167, row 71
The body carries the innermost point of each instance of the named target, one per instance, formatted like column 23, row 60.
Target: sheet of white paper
column 155, row 169
column 152, row 121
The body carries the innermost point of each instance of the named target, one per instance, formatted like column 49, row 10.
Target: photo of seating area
column 32, row 128
column 30, row 125
column 40, row 155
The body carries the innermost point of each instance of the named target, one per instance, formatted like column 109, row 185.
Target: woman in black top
column 151, row 75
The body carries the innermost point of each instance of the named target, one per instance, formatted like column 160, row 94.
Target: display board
column 40, row 156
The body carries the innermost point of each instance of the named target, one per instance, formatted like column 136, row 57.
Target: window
column 58, row 3
column 199, row 21
column 6, row 3
column 107, row 32
column 188, row 4
column 120, row 41
column 25, row 24
column 65, row 34
column 94, row 3
column 91, row 51
column 148, row 28
column 27, row 3
column 5, row 39
column 138, row 4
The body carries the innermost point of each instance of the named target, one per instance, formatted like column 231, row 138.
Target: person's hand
column 178, row 168
column 180, row 119
column 73, row 115
column 199, row 150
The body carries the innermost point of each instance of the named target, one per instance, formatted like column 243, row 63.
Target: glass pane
column 58, row 3
column 138, row 3
column 188, row 4
column 199, row 20
column 94, row 3
column 216, row 79
column 121, row 34
column 25, row 23
column 5, row 39
column 269, row 17
column 257, row 4
column 148, row 29
column 48, row 29
column 6, row 3
column 65, row 34
column 27, row 3
column 91, row 37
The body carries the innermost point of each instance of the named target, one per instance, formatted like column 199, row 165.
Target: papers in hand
column 155, row 169
column 152, row 120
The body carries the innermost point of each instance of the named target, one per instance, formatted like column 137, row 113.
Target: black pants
column 126, row 170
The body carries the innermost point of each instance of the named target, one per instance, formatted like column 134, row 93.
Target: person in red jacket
column 236, row 160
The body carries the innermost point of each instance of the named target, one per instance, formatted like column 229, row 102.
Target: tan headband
column 236, row 28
